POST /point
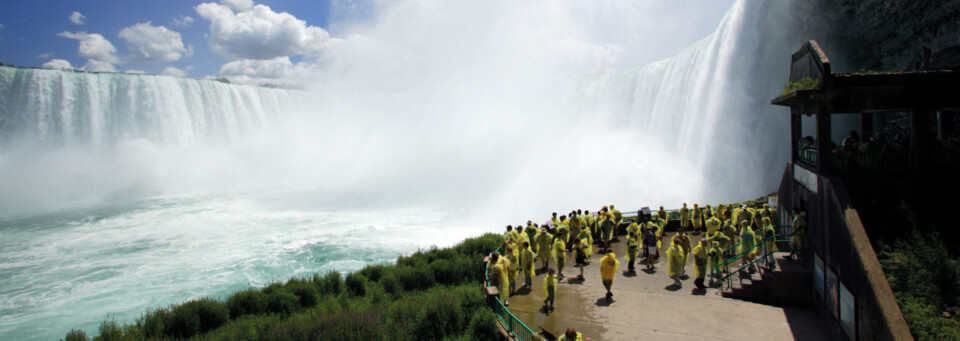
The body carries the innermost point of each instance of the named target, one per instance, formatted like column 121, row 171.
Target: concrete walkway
column 646, row 306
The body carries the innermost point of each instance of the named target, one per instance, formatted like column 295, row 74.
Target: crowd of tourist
column 579, row 233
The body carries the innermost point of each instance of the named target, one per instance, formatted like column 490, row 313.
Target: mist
column 505, row 110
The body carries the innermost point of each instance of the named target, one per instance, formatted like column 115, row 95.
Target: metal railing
column 761, row 244
column 510, row 322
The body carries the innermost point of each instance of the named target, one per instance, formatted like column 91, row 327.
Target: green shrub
column 331, row 284
column 153, row 323
column 76, row 335
column 110, row 330
column 483, row 325
column 305, row 291
column 803, row 84
column 250, row 301
column 195, row 317
column 415, row 277
column 356, row 284
column 246, row 328
column 347, row 326
column 282, row 302
column 390, row 283
column 374, row 272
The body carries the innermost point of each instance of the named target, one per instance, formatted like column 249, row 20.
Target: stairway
column 788, row 284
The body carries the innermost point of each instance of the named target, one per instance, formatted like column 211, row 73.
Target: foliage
column 429, row 295
column 76, row 335
column 805, row 83
column 926, row 282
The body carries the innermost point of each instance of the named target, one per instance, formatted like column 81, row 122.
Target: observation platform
column 646, row 305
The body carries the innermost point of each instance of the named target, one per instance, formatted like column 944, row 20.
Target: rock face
column 885, row 35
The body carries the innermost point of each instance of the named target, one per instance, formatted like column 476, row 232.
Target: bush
column 110, row 330
column 282, row 302
column 415, row 277
column 196, row 317
column 305, row 291
column 154, row 323
column 390, row 283
column 356, row 284
column 483, row 325
column 76, row 335
column 374, row 272
column 331, row 284
column 247, row 302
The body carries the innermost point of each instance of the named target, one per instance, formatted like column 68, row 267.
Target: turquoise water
column 74, row 268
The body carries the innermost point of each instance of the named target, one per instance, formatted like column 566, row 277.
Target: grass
column 805, row 83
column 430, row 295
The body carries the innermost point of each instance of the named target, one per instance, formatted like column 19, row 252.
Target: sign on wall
column 848, row 312
column 805, row 178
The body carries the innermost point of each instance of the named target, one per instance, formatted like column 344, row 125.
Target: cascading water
column 123, row 192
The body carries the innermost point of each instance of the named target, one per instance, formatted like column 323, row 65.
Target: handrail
column 510, row 322
column 761, row 244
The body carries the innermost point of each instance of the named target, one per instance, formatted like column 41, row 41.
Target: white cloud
column 135, row 72
column 260, row 33
column 78, row 18
column 94, row 65
column 1, row 26
column 45, row 55
column 57, row 64
column 277, row 70
column 172, row 71
column 154, row 43
column 183, row 21
column 238, row 5
column 93, row 46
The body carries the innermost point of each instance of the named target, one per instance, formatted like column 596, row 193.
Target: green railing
column 809, row 156
column 777, row 238
column 511, row 323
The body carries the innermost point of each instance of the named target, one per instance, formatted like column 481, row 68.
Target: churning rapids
column 119, row 192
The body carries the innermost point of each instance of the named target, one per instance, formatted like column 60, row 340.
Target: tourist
column 650, row 240
column 581, row 255
column 799, row 239
column 560, row 254
column 571, row 335
column 684, row 217
column 770, row 242
column 575, row 226
column 716, row 259
column 606, row 230
column 675, row 263
column 513, row 268
column 563, row 230
column 747, row 242
column 530, row 230
column 549, row 290
column 553, row 220
column 700, row 263
column 685, row 245
column 527, row 264
column 697, row 219
column 713, row 225
column 544, row 243
column 608, row 267
column 632, row 251
column 498, row 276
column 731, row 233
column 662, row 214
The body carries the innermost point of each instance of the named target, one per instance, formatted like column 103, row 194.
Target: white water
column 126, row 192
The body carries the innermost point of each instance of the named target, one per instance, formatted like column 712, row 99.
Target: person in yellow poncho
column 713, row 225
column 549, row 290
column 716, row 258
column 554, row 220
column 700, row 260
column 521, row 237
column 575, row 227
column 697, row 219
column 769, row 242
column 651, row 242
column 571, row 335
column 498, row 275
column 559, row 255
column 544, row 244
column 747, row 242
column 581, row 255
column 586, row 235
column 731, row 232
column 685, row 217
column 798, row 242
column 685, row 245
column 513, row 268
column 662, row 214
column 617, row 219
column 608, row 267
column 528, row 265
column 633, row 248
column 675, row 263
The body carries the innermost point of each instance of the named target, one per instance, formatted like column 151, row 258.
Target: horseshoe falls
column 120, row 193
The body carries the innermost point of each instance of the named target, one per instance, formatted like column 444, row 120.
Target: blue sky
column 341, row 41
column 29, row 36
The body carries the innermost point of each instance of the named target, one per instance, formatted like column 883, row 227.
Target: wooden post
column 866, row 124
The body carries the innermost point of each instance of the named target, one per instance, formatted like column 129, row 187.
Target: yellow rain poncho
column 632, row 228
column 674, row 260
column 608, row 266
column 700, row 260
column 549, row 287
column 544, row 243
column 747, row 240
column 574, row 228
column 564, row 337
column 607, row 227
column 531, row 232
column 717, row 258
column 633, row 248
column 730, row 231
column 617, row 215
column 799, row 239
column 501, row 268
column 713, row 225
column 586, row 238
column 697, row 217
column 513, row 263
column 662, row 214
column 528, row 261
column 684, row 217
column 768, row 230
column 559, row 253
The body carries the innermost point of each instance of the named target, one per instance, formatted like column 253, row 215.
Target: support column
column 920, row 141
column 866, row 124
column 824, row 160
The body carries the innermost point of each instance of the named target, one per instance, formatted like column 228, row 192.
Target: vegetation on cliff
column 430, row 295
